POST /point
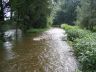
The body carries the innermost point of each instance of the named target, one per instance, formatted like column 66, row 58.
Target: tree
column 31, row 13
column 67, row 13
column 1, row 11
column 87, row 14
column 1, row 17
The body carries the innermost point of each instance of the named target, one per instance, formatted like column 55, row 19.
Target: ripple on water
column 44, row 52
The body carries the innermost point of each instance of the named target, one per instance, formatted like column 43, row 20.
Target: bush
column 68, row 27
column 85, row 49
column 74, row 32
column 84, row 44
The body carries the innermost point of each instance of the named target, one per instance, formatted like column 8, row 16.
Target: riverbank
column 84, row 44
column 35, row 30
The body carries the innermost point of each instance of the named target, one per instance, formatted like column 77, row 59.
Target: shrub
column 85, row 49
column 68, row 27
column 74, row 32
column 84, row 44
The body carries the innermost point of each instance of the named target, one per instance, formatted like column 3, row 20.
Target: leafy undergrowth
column 84, row 44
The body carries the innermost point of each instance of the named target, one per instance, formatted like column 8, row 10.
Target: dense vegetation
column 84, row 44
column 67, row 12
column 86, row 14
column 25, row 14
column 77, row 12
column 28, row 14
column 83, row 35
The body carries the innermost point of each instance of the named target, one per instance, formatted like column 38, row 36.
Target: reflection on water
column 12, row 34
column 45, row 52
column 8, row 45
column 8, row 53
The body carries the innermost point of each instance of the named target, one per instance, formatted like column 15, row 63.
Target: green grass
column 34, row 30
column 84, row 44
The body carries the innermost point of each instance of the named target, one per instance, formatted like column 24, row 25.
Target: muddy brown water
column 42, row 52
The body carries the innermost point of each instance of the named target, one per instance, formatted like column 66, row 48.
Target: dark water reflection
column 44, row 52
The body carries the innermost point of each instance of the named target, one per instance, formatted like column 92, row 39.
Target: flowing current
column 42, row 52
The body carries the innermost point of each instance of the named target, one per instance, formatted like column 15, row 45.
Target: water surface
column 42, row 52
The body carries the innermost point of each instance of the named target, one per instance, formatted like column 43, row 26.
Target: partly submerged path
column 45, row 52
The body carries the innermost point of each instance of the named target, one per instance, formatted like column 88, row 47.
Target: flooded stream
column 42, row 52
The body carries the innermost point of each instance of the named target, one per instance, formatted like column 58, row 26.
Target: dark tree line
column 67, row 13
column 79, row 12
column 25, row 14
column 1, row 11
column 86, row 14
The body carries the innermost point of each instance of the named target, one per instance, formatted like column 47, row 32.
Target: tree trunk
column 1, row 18
column 1, row 11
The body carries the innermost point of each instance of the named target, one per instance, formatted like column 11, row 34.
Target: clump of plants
column 84, row 44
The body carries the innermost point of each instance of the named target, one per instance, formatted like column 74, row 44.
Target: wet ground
column 43, row 52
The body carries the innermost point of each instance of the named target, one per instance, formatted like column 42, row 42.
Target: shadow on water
column 41, row 52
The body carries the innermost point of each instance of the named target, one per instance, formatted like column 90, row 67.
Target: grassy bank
column 34, row 30
column 84, row 44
